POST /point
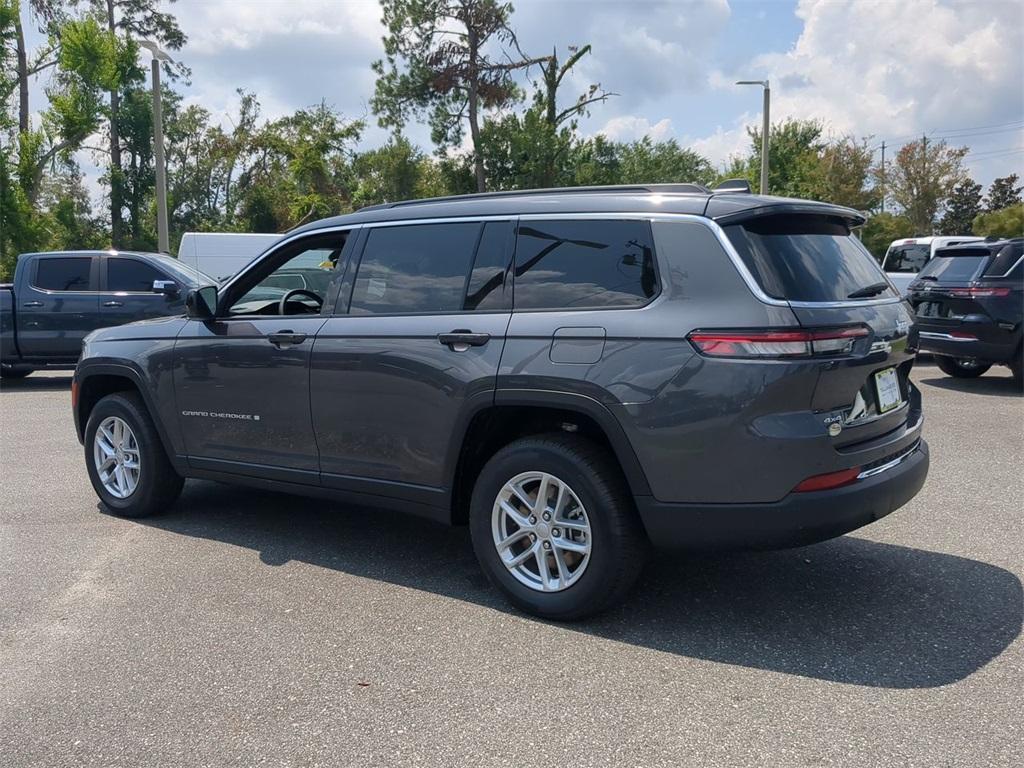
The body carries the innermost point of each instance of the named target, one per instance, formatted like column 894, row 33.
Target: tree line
column 455, row 65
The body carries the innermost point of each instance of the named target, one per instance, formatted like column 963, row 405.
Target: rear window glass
column 907, row 258
column 73, row 273
column 808, row 258
column 956, row 266
column 573, row 264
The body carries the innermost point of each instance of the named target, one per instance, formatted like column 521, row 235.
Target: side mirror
column 168, row 288
column 201, row 303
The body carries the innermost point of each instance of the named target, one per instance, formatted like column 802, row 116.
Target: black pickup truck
column 57, row 298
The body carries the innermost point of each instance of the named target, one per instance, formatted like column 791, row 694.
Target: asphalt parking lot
column 246, row 628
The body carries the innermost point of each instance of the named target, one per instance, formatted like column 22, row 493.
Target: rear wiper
column 868, row 291
column 922, row 277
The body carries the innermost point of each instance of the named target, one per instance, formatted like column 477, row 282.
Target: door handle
column 286, row 338
column 460, row 340
column 113, row 303
column 32, row 304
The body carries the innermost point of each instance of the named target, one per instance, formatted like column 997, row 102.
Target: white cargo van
column 906, row 257
column 222, row 254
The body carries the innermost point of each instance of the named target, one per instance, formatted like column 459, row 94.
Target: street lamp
column 159, row 55
column 765, row 130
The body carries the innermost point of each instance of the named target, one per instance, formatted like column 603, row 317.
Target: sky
column 886, row 70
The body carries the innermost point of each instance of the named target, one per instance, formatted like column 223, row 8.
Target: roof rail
column 638, row 188
column 733, row 185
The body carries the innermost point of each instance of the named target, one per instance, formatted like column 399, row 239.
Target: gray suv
column 577, row 374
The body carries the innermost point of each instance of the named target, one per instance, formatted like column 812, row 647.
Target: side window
column 415, row 268
column 574, row 264
column 308, row 265
column 486, row 288
column 70, row 273
column 132, row 276
column 1005, row 260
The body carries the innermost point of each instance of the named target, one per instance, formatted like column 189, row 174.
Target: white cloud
column 632, row 127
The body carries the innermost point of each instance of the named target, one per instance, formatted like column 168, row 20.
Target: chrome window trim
column 716, row 229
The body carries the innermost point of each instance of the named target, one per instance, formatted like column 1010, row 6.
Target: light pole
column 163, row 240
column 765, row 130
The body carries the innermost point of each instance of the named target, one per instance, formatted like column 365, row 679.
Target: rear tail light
column 828, row 480
column 978, row 293
column 772, row 343
column 962, row 335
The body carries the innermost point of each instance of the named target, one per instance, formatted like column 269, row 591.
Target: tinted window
column 954, row 266
column 806, row 258
column 1005, row 258
column 131, row 275
column 584, row 263
column 486, row 289
column 64, row 274
column 416, row 268
column 907, row 258
column 309, row 265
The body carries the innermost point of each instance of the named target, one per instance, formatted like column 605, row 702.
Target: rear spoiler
column 733, row 211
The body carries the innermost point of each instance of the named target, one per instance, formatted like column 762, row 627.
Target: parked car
column 969, row 302
column 576, row 373
column 906, row 257
column 57, row 298
column 222, row 254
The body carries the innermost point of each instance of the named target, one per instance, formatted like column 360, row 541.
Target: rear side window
column 956, row 265
column 1005, row 259
column 71, row 273
column 131, row 276
column 808, row 258
column 576, row 264
column 907, row 258
column 415, row 268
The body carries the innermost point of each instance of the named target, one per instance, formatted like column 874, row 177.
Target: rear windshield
column 1006, row 259
column 961, row 265
column 907, row 258
column 808, row 258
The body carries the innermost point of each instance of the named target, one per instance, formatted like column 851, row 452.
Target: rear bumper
column 798, row 519
column 941, row 342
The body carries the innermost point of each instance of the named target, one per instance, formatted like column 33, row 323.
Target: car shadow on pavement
column 983, row 385
column 849, row 610
column 37, row 383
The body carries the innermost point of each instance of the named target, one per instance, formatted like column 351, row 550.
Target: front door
column 242, row 379
column 127, row 291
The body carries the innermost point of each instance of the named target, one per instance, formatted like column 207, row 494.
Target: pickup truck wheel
column 961, row 367
column 126, row 461
column 14, row 371
column 554, row 528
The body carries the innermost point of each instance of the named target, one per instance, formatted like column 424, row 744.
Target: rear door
column 57, row 305
column 415, row 352
column 127, row 291
column 830, row 281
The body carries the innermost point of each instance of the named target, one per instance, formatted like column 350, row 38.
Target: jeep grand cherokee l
column 576, row 374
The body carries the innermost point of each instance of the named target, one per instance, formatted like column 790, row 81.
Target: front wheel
column 554, row 528
column 961, row 367
column 127, row 465
column 14, row 371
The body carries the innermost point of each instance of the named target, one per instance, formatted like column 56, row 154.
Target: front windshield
column 183, row 272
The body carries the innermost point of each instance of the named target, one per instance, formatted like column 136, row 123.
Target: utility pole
column 765, row 129
column 162, row 236
column 883, row 177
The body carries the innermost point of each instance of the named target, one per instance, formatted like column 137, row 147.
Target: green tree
column 795, row 146
column 841, row 174
column 1006, row 222
column 649, row 162
column 395, row 171
column 1003, row 193
column 963, row 205
column 921, row 179
column 451, row 58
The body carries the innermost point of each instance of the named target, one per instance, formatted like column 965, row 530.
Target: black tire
column 961, row 367
column 159, row 485
column 619, row 545
column 14, row 372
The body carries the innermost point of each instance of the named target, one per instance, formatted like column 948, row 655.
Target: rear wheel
column 961, row 367
column 127, row 465
column 554, row 528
